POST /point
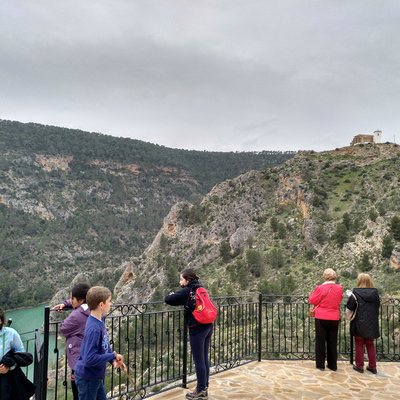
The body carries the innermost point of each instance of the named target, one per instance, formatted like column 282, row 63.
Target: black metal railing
column 154, row 341
column 28, row 340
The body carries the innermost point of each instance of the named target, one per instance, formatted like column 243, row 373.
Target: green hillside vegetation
column 276, row 230
column 207, row 168
column 78, row 203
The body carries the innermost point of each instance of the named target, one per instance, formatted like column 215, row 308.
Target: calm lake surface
column 27, row 319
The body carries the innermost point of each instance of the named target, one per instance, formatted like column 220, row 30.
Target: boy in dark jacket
column 365, row 325
column 90, row 369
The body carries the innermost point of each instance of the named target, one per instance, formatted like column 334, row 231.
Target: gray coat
column 366, row 322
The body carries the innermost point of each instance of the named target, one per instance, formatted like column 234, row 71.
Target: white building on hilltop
column 362, row 139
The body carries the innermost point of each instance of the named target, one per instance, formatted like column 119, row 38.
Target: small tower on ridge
column 377, row 136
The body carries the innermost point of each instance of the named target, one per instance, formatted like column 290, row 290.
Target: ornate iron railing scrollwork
column 155, row 343
column 136, row 394
column 389, row 301
column 300, row 356
column 227, row 365
column 128, row 309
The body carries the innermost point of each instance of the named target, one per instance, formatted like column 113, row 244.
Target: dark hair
column 80, row 290
column 189, row 275
column 97, row 295
column 2, row 316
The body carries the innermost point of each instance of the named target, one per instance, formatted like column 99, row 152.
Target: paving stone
column 298, row 380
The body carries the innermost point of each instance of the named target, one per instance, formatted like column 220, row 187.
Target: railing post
column 351, row 349
column 185, row 354
column 37, row 377
column 259, row 326
column 45, row 351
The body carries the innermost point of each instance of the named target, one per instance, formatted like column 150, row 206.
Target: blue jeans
column 90, row 390
column 200, row 344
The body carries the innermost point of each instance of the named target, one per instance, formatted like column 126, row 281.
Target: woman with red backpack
column 199, row 333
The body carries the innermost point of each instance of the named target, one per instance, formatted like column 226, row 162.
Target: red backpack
column 205, row 311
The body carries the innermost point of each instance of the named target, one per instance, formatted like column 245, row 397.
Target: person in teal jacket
column 13, row 383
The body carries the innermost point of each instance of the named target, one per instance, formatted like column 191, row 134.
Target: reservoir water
column 27, row 319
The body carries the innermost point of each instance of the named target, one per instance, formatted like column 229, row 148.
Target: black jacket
column 366, row 322
column 181, row 298
column 14, row 385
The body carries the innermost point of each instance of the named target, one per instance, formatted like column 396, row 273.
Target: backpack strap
column 323, row 298
column 187, row 301
column 4, row 340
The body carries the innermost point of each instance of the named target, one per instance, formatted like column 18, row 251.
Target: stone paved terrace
column 298, row 380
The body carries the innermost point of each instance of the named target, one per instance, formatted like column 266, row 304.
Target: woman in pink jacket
column 326, row 299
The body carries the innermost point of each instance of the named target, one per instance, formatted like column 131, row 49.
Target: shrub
column 387, row 246
column 373, row 215
column 365, row 263
column 368, row 233
column 341, row 235
column 275, row 258
column 274, row 224
column 254, row 262
column 225, row 251
column 395, row 227
column 381, row 209
column 281, row 230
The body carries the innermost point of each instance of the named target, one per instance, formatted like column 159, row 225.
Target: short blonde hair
column 365, row 281
column 97, row 295
column 329, row 275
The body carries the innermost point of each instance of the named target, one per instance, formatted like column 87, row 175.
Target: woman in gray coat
column 365, row 325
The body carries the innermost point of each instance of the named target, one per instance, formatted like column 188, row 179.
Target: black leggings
column 199, row 345
column 74, row 387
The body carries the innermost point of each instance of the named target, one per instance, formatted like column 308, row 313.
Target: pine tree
column 395, row 227
column 365, row 263
column 225, row 251
column 274, row 224
column 387, row 246
column 341, row 235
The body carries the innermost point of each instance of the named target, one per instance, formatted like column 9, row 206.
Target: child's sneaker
column 197, row 395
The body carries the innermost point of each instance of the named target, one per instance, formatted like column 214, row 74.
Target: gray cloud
column 212, row 75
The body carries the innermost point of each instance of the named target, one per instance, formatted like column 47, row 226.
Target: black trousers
column 326, row 333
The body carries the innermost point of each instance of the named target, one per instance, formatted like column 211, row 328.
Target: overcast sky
column 217, row 75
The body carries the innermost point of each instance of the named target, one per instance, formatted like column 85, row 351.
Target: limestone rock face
column 239, row 239
column 394, row 261
column 308, row 196
column 170, row 226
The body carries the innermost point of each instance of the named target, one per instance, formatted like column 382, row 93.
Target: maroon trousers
column 369, row 344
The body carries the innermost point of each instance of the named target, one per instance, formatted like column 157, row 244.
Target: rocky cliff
column 282, row 227
column 74, row 202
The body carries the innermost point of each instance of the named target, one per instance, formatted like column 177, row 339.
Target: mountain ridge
column 276, row 230
column 75, row 203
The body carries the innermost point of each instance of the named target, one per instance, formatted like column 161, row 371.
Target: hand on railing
column 59, row 307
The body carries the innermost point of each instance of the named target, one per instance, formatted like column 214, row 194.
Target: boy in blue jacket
column 90, row 369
